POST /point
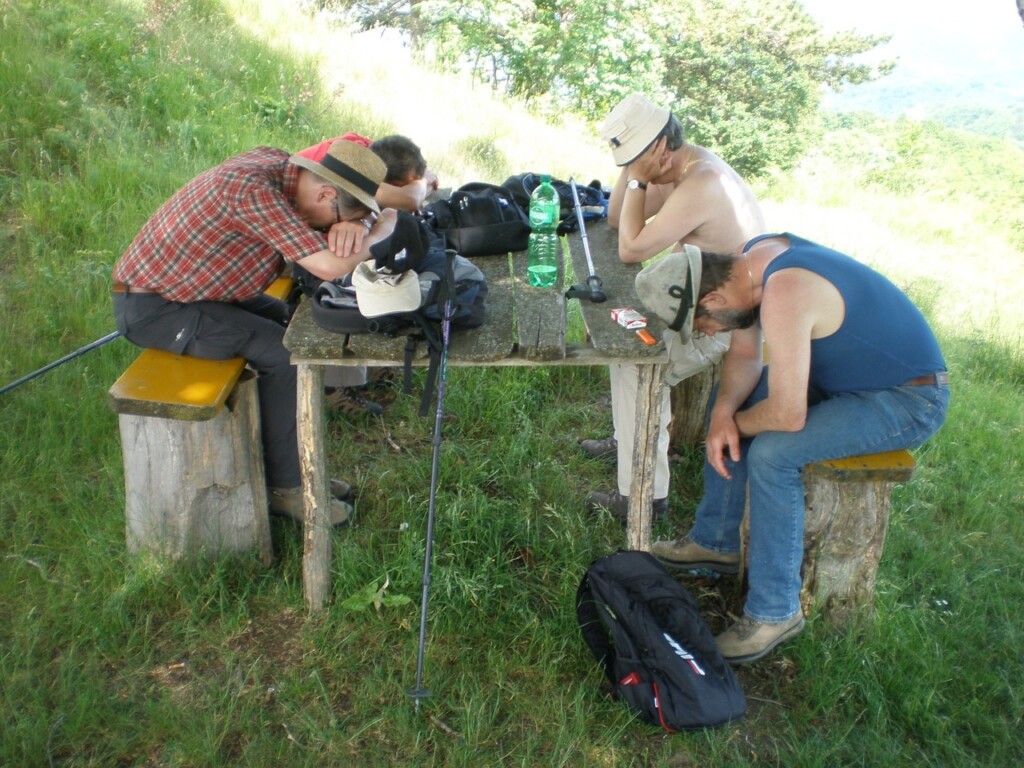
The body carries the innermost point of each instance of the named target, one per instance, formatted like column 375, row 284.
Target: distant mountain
column 965, row 69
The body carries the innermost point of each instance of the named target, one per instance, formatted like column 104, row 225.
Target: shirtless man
column 669, row 193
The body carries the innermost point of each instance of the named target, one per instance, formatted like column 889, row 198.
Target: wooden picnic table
column 525, row 326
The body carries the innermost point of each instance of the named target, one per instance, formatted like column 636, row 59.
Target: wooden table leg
column 316, row 556
column 645, row 445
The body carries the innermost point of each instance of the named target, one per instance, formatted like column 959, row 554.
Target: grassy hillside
column 112, row 660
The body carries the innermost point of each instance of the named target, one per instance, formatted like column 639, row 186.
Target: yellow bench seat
column 182, row 387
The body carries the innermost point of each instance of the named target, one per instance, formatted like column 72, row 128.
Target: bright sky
column 943, row 41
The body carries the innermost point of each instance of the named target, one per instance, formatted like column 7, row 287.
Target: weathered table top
column 525, row 325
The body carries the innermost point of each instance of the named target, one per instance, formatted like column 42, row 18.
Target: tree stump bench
column 193, row 457
column 846, row 516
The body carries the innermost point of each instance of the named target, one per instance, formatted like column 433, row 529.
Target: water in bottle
column 543, row 249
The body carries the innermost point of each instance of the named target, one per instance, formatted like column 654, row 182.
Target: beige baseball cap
column 670, row 289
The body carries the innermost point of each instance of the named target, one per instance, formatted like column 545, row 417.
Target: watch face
column 635, row 184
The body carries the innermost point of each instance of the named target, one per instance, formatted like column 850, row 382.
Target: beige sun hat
column 351, row 166
column 632, row 126
column 382, row 293
column 670, row 289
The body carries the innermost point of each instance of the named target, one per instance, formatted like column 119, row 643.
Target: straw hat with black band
column 350, row 166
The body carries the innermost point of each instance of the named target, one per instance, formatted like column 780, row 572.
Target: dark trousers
column 217, row 330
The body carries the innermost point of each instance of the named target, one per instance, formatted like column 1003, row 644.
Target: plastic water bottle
column 543, row 250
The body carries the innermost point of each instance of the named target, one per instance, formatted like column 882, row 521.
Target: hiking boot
column 349, row 400
column 603, row 450
column 618, row 505
column 380, row 378
column 748, row 640
column 339, row 489
column 287, row 502
column 685, row 554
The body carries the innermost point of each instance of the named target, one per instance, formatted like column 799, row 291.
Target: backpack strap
column 434, row 351
column 592, row 627
column 410, row 349
column 446, row 300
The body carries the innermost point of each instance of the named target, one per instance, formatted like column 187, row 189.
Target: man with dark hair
column 406, row 186
column 408, row 182
column 854, row 369
column 669, row 193
column 190, row 282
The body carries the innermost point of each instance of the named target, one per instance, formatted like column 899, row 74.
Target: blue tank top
column 883, row 341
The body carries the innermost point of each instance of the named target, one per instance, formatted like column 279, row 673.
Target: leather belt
column 122, row 288
column 928, row 380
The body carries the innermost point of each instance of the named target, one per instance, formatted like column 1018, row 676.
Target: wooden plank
column 172, row 386
column 540, row 313
column 606, row 335
column 645, row 446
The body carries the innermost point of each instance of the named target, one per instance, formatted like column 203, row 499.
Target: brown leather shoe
column 287, row 502
column 685, row 554
column 748, row 640
column 339, row 489
column 618, row 505
column 349, row 400
column 603, row 450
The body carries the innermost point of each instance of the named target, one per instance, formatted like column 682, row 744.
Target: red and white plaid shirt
column 222, row 236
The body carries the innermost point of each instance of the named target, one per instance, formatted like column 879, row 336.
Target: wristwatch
column 635, row 184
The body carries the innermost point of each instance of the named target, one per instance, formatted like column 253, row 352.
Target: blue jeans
column 847, row 424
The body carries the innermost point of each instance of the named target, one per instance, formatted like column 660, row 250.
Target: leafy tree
column 751, row 76
column 748, row 73
column 556, row 53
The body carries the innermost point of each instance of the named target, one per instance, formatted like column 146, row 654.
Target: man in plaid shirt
column 191, row 281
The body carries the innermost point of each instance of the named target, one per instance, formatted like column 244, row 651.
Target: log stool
column 193, row 457
column 846, row 514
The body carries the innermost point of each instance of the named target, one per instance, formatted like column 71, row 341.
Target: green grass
column 110, row 659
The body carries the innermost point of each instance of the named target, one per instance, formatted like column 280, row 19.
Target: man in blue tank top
column 854, row 369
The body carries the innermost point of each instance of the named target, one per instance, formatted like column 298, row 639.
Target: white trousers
column 624, row 381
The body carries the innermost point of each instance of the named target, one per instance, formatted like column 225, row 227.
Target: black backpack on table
column 593, row 204
column 656, row 650
column 445, row 279
column 481, row 219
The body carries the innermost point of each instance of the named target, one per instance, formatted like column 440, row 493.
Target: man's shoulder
column 257, row 157
column 261, row 166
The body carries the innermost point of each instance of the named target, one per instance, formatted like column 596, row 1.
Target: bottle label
column 540, row 215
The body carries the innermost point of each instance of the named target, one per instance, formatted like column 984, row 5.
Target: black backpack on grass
column 656, row 650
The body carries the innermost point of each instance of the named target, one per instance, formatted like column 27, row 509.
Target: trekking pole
column 594, row 289
column 55, row 363
column 419, row 692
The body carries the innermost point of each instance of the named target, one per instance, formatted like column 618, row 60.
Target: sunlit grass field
column 109, row 659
